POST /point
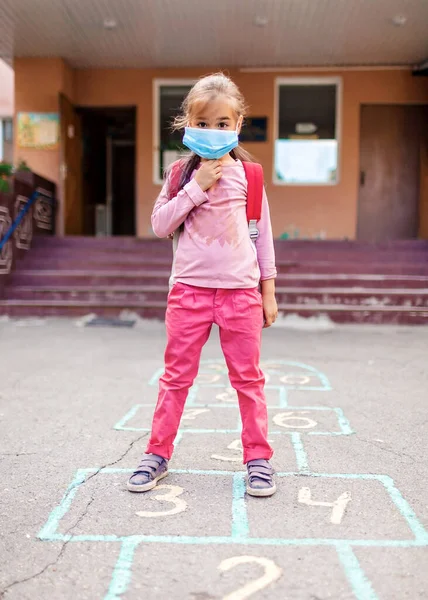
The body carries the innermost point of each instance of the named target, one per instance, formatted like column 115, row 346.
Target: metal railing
column 18, row 220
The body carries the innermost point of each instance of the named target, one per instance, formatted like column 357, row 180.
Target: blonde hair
column 206, row 89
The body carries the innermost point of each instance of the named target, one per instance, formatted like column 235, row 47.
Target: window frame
column 157, row 85
column 338, row 82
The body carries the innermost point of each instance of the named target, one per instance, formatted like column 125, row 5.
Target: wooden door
column 71, row 167
column 389, row 193
column 423, row 204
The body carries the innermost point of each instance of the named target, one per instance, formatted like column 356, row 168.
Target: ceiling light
column 399, row 20
column 110, row 24
column 260, row 21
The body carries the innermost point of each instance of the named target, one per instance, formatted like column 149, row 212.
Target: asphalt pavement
column 348, row 417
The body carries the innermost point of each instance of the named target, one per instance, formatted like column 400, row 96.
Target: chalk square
column 297, row 573
column 216, row 451
column 308, row 420
column 82, row 572
column 396, row 569
column 103, row 507
column 200, row 419
column 226, row 396
column 290, row 375
column 370, row 513
column 294, row 375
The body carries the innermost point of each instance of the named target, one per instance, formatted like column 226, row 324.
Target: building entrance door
column 71, row 167
column 391, row 170
column 109, row 171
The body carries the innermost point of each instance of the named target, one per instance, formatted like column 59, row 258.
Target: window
column 8, row 130
column 168, row 97
column 307, row 140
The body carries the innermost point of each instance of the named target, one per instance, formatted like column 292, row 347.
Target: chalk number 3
column 172, row 497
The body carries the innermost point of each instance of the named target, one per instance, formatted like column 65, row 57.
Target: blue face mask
column 210, row 143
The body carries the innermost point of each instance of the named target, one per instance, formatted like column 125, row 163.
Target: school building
column 344, row 149
column 337, row 96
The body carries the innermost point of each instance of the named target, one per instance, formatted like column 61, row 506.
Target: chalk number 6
column 272, row 573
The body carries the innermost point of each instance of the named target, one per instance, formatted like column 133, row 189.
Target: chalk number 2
column 272, row 573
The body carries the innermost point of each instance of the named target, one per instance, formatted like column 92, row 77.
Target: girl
column 215, row 278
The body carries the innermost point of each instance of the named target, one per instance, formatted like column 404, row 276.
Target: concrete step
column 320, row 297
column 125, row 241
column 284, row 254
column 349, row 281
column 315, row 297
column 75, row 308
column 87, row 277
column 75, row 277
column 150, row 310
column 100, row 294
column 284, row 264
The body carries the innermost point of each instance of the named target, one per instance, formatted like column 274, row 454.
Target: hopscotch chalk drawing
column 172, row 496
column 338, row 506
column 212, row 415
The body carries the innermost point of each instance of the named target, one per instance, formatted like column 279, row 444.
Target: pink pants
column 190, row 315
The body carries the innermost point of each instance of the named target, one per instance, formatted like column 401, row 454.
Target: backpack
column 254, row 175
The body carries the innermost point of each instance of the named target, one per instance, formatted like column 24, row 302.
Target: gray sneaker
column 260, row 478
column 152, row 469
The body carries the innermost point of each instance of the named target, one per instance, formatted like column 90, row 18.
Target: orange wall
column 38, row 83
column 328, row 209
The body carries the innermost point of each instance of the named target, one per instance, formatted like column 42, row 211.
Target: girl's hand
column 208, row 173
column 270, row 309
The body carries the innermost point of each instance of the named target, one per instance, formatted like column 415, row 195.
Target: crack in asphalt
column 19, row 453
column 79, row 520
column 391, row 451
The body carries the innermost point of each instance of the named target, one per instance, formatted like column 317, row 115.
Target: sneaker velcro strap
column 260, row 472
column 147, row 464
column 260, row 476
column 261, row 468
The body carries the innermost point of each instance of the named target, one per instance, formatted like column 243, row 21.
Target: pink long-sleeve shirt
column 214, row 248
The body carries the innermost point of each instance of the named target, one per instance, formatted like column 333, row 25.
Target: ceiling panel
column 173, row 33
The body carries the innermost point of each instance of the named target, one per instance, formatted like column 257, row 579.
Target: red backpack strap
column 255, row 180
column 174, row 178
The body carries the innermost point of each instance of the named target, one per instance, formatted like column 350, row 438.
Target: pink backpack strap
column 255, row 180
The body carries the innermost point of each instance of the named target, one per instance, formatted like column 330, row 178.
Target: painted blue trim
column 283, row 397
column 358, row 581
column 229, row 540
column 344, row 424
column 299, row 450
column 405, row 509
column 240, row 525
column 178, row 439
column 120, row 425
column 48, row 532
column 193, row 394
column 154, row 379
column 342, row 421
column 326, row 386
column 63, row 507
column 122, row 573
